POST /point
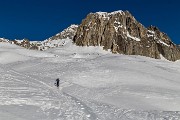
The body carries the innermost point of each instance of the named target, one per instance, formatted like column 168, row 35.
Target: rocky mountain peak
column 153, row 28
column 120, row 32
column 66, row 33
column 51, row 42
column 57, row 40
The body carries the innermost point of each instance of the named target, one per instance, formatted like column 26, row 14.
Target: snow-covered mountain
column 67, row 33
column 58, row 39
column 54, row 41
column 117, row 31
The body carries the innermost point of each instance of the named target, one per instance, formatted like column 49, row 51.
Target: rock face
column 25, row 43
column 178, row 46
column 121, row 33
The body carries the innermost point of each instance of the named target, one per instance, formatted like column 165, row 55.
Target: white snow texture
column 94, row 85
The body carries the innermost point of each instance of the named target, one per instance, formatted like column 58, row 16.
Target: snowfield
column 94, row 85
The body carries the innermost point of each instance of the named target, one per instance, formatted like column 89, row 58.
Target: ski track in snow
column 20, row 89
column 93, row 86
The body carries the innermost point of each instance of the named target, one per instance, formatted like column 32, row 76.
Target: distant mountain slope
column 4, row 40
column 120, row 32
column 55, row 41
column 10, row 53
column 69, row 32
column 117, row 31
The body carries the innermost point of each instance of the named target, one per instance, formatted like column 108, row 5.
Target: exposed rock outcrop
column 178, row 46
column 69, row 32
column 4, row 40
column 51, row 42
column 23, row 43
column 122, row 33
column 55, row 41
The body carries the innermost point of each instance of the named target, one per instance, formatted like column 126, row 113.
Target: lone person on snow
column 57, row 82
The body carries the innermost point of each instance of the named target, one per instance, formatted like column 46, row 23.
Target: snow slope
column 12, row 53
column 95, row 85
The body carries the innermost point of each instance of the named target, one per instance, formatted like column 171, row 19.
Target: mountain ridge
column 121, row 33
column 117, row 31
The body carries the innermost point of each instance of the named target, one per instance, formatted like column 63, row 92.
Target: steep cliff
column 120, row 32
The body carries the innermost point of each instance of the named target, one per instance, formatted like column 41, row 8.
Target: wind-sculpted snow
column 94, row 85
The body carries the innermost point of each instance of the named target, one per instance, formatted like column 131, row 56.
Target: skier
column 57, row 82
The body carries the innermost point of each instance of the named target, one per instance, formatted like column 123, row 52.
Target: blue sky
column 41, row 19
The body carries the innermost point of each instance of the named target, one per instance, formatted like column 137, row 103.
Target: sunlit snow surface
column 95, row 85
